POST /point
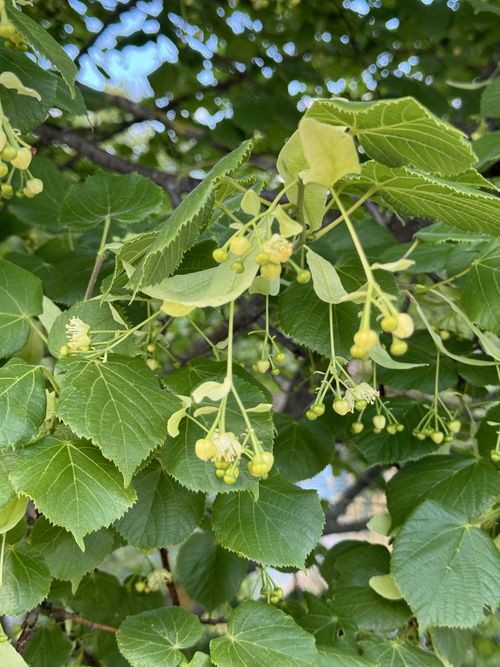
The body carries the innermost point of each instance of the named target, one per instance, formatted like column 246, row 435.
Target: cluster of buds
column 274, row 253
column 439, row 429
column 273, row 594
column 15, row 157
column 8, row 32
column 155, row 581
column 78, row 335
column 225, row 451
column 400, row 325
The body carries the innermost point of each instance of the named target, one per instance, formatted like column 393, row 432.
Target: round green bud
column 303, row 277
column 220, row 255
column 357, row 427
column 340, row 406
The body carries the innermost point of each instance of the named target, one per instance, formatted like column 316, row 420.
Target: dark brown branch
column 340, row 506
column 333, row 527
column 27, row 629
column 84, row 147
column 172, row 590
column 62, row 615
column 112, row 17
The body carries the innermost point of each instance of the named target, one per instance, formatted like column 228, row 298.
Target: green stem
column 355, row 238
column 349, row 211
column 2, row 552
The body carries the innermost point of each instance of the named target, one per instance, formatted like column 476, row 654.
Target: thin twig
column 61, row 615
column 172, row 590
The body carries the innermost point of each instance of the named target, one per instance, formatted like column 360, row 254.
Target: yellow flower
column 227, row 446
column 278, row 249
column 77, row 333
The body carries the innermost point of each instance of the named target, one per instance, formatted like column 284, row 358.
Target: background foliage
column 155, row 130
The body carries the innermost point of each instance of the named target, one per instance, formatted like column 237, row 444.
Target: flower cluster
column 78, row 335
column 13, row 40
column 15, row 158
column 155, row 581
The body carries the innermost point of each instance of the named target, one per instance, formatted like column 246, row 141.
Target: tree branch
column 61, row 615
column 86, row 148
column 27, row 629
column 172, row 590
column 340, row 506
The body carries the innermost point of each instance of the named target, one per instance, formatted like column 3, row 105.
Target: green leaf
column 330, row 152
column 465, row 484
column 402, row 446
column 490, row 100
column 354, row 597
column 210, row 574
column 7, row 462
column 49, row 646
column 121, row 198
column 119, row 405
column 400, row 132
column 65, row 559
column 178, row 454
column 334, row 657
column 22, row 401
column 20, row 299
column 487, row 149
column 28, row 112
column 44, row 44
column 397, row 653
column 186, row 223
column 9, row 656
column 99, row 316
column 200, row 659
column 101, row 597
column 26, row 579
column 72, row 484
column 459, row 563
column 413, row 193
column 165, row 512
column 304, row 319
column 453, row 647
column 154, row 638
column 280, row 528
column 302, row 448
column 43, row 210
column 260, row 634
column 482, row 288
column 422, row 356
